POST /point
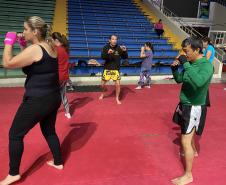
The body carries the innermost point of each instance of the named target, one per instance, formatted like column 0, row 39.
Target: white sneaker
column 68, row 115
column 148, row 86
column 225, row 89
column 138, row 87
column 71, row 89
column 99, row 74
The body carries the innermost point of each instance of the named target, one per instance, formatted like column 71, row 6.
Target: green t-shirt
column 196, row 78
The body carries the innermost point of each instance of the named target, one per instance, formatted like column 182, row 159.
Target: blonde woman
column 42, row 95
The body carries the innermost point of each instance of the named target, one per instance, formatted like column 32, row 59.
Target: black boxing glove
column 174, row 68
column 182, row 59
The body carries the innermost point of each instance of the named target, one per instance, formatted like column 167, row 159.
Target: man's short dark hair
column 196, row 43
column 112, row 36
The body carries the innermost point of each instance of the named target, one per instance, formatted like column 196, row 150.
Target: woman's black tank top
column 42, row 76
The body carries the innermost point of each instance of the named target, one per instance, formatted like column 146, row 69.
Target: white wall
column 217, row 16
column 194, row 22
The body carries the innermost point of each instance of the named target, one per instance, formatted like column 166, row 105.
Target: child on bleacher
column 145, row 75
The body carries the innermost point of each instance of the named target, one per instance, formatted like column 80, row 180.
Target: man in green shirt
column 190, row 114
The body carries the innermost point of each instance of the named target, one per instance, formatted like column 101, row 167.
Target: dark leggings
column 159, row 32
column 31, row 111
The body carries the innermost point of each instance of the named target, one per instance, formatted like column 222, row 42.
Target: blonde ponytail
column 44, row 29
column 49, row 38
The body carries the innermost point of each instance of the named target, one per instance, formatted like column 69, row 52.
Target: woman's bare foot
column 10, row 179
column 101, row 97
column 118, row 102
column 51, row 163
column 185, row 179
column 196, row 154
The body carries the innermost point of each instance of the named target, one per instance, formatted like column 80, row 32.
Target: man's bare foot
column 10, row 179
column 118, row 102
column 51, row 163
column 185, row 179
column 195, row 150
column 101, row 97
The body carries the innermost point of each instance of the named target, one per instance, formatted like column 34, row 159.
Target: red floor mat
column 135, row 143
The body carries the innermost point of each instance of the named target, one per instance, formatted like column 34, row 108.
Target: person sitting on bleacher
column 159, row 28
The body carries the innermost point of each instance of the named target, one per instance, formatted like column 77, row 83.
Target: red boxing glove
column 10, row 38
column 22, row 42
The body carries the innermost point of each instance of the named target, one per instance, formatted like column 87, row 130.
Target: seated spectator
column 159, row 28
column 208, row 49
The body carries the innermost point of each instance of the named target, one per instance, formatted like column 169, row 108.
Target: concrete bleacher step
column 129, row 46
column 28, row 2
column 135, row 59
column 99, row 18
column 111, row 16
column 20, row 18
column 107, row 26
column 10, row 7
column 107, row 33
column 132, row 53
column 25, row 14
column 86, row 7
column 30, row 5
column 106, row 4
column 112, row 13
column 123, row 40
